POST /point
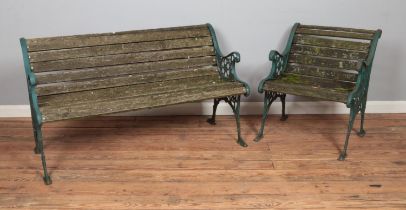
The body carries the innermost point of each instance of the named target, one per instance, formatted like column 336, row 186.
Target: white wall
column 250, row 27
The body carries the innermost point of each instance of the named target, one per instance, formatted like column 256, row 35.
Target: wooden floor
column 184, row 163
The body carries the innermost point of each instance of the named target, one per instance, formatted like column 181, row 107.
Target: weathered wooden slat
column 64, row 42
column 332, row 43
column 128, row 91
column 51, row 55
column 329, row 52
column 305, row 90
column 149, row 101
column 331, row 33
column 108, row 71
column 316, row 82
column 328, row 73
column 323, row 62
column 110, row 60
column 125, row 80
column 355, row 30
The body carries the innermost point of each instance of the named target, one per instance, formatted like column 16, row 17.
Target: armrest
column 361, row 87
column 278, row 66
column 227, row 69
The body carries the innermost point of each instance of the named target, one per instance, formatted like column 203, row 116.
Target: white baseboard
column 247, row 108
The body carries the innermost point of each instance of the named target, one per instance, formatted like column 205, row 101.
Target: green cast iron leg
column 36, row 148
column 284, row 115
column 362, row 132
column 236, row 110
column 353, row 114
column 267, row 105
column 47, row 178
column 212, row 120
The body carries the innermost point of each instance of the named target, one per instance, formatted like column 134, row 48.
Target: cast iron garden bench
column 328, row 63
column 86, row 75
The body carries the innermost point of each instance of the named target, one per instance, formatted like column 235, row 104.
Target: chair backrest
column 329, row 52
column 95, row 61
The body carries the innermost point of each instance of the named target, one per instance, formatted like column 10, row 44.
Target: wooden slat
column 329, row 52
column 64, row 42
column 333, row 33
column 355, row 30
column 108, row 71
column 306, row 90
column 332, row 43
column 323, row 62
column 51, row 55
column 149, row 101
column 128, row 91
column 328, row 73
column 124, row 80
column 315, row 82
column 110, row 60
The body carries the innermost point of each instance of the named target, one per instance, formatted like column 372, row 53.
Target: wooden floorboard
column 182, row 162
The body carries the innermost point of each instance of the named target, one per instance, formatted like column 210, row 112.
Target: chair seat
column 134, row 97
column 316, row 87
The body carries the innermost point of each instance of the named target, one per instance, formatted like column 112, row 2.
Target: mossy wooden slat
column 110, row 60
column 323, row 62
column 305, row 90
column 129, row 91
column 108, row 71
column 64, row 42
column 328, row 73
column 315, row 82
column 332, row 43
column 149, row 101
column 125, row 80
column 342, row 34
column 329, row 52
column 51, row 55
column 355, row 30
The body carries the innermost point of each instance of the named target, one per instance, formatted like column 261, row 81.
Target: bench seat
column 137, row 96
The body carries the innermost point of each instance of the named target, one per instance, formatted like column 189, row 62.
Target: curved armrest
column 227, row 69
column 278, row 61
column 361, row 87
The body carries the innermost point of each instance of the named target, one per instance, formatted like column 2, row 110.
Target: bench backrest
column 329, row 52
column 87, row 62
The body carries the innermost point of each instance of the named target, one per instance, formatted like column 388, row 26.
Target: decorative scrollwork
column 227, row 65
column 232, row 101
column 278, row 62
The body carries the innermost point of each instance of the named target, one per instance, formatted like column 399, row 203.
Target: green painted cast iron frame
column 35, row 113
column 226, row 69
column 356, row 99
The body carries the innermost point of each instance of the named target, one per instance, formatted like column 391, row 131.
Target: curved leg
column 362, row 132
column 353, row 113
column 267, row 105
column 40, row 146
column 212, row 120
column 284, row 115
column 269, row 98
column 234, row 102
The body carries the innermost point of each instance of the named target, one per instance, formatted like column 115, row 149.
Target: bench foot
column 241, row 142
column 47, row 180
column 211, row 121
column 361, row 133
column 284, row 117
column 342, row 156
column 258, row 137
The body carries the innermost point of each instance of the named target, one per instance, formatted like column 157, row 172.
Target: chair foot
column 284, row 117
column 36, row 150
column 361, row 133
column 47, row 180
column 258, row 137
column 342, row 156
column 241, row 142
column 211, row 121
